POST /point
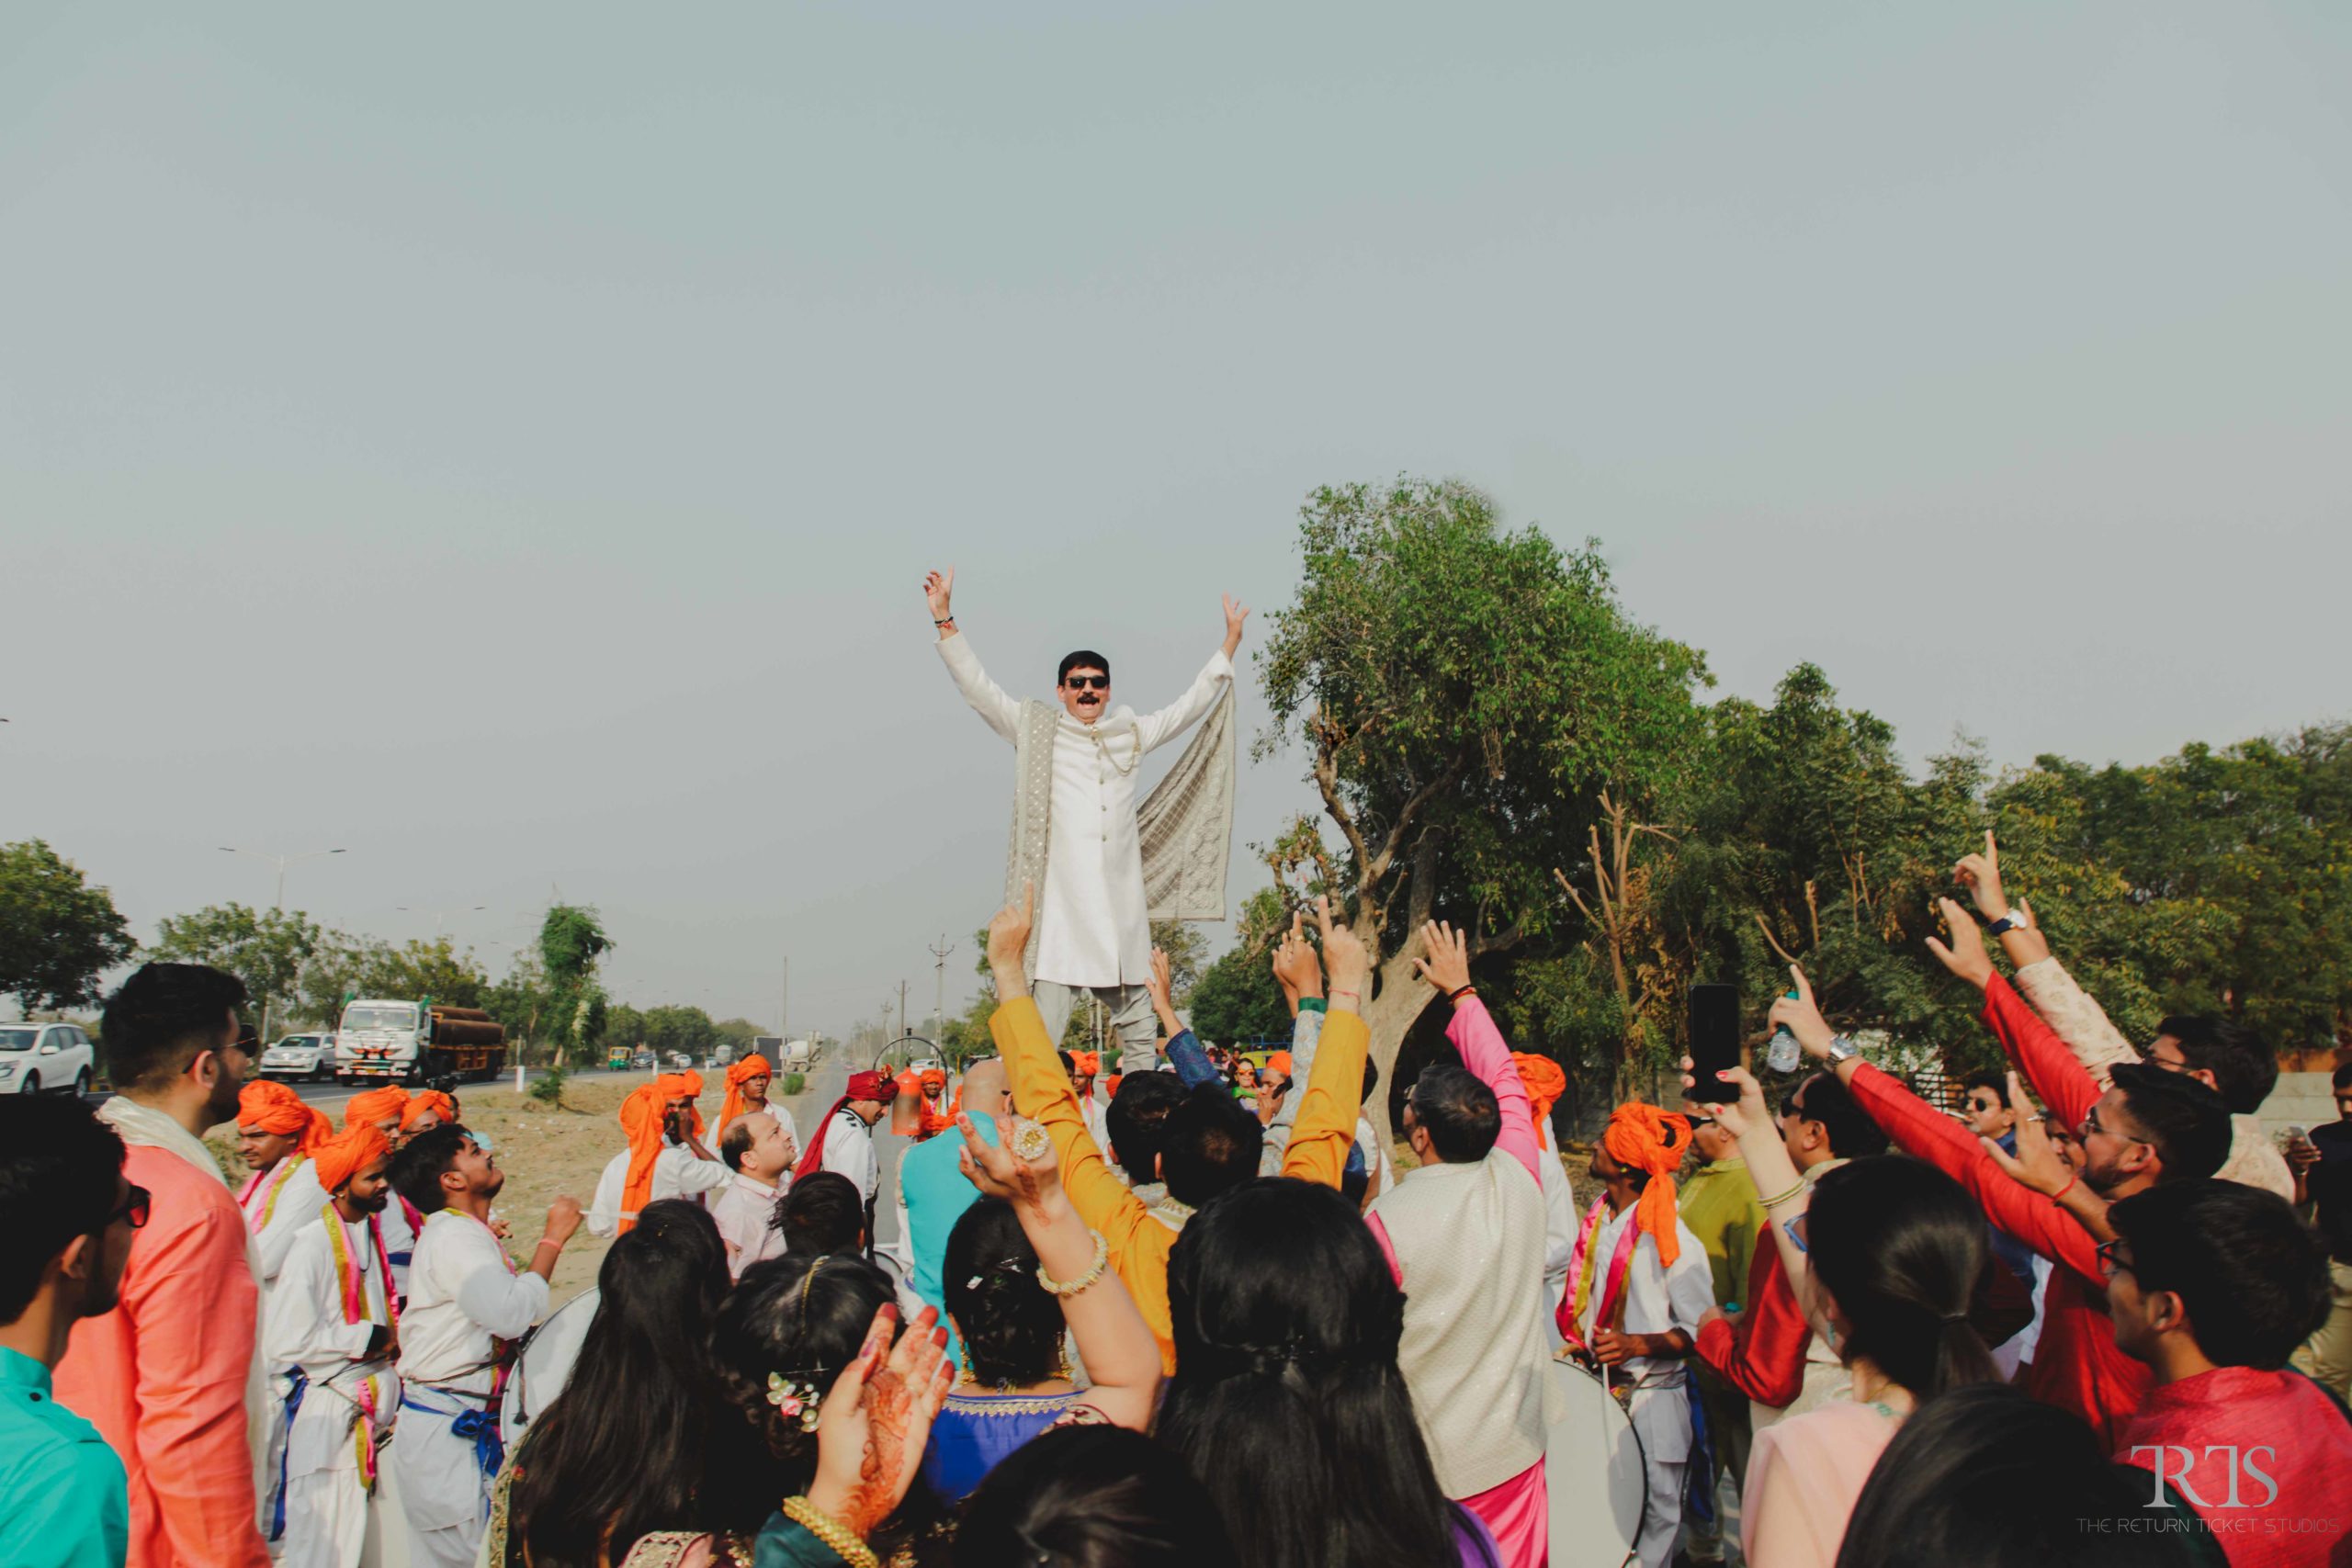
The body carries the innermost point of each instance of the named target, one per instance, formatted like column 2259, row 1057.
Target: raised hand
column 1009, row 933
column 1738, row 1117
column 2038, row 1162
column 1161, row 983
column 1447, row 965
column 876, row 1419
column 1000, row 1172
column 1980, row 874
column 1966, row 956
column 1296, row 969
column 1236, row 612
column 939, row 587
column 1803, row 1018
column 1345, row 963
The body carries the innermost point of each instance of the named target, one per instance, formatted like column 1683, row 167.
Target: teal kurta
column 64, row 1501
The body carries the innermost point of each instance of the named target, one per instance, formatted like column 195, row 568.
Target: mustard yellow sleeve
column 1326, row 1127
column 1042, row 1092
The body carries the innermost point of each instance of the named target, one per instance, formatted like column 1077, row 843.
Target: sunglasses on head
column 1081, row 682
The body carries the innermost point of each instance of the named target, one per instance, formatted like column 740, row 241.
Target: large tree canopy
column 58, row 934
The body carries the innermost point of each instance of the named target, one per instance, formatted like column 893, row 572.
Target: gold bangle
column 832, row 1532
column 1053, row 1287
column 1773, row 1202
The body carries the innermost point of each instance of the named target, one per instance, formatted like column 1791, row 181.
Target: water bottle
column 1783, row 1056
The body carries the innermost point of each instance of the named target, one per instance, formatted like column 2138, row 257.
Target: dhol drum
column 1593, row 1473
column 545, row 1365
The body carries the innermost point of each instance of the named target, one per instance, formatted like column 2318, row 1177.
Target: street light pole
column 283, row 862
column 939, row 1014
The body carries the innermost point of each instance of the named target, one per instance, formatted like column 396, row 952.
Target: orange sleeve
column 1139, row 1243
column 1325, row 1128
column 194, row 1301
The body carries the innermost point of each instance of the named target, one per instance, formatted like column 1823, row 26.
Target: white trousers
column 326, row 1519
column 442, row 1489
column 1662, row 1519
column 1132, row 1019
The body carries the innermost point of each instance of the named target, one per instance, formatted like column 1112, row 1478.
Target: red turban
column 431, row 1102
column 348, row 1152
column 268, row 1106
column 1085, row 1064
column 871, row 1086
column 1544, row 1082
column 383, row 1104
column 1643, row 1137
column 751, row 1067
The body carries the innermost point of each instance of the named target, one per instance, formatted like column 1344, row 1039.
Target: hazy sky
column 505, row 441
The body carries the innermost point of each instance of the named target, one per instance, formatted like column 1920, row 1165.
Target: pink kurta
column 163, row 1376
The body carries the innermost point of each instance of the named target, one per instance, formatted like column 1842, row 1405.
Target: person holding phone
column 2322, row 1161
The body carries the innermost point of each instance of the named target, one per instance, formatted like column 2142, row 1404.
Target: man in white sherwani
column 1093, row 932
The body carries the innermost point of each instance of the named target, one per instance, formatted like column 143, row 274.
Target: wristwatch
column 2015, row 920
column 1841, row 1049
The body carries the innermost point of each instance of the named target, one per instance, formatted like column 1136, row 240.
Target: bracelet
column 2068, row 1188
column 948, row 622
column 1351, row 996
column 547, row 1241
column 1778, row 1198
column 1313, row 1004
column 832, row 1532
column 1057, row 1288
column 1459, row 992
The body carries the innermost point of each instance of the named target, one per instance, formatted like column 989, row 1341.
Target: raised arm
column 2078, row 1019
column 1183, row 1048
column 1325, row 1128
column 1483, row 1051
column 988, row 699
column 2062, row 1083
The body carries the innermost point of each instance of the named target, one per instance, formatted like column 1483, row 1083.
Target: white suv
column 35, row 1056
column 300, row 1057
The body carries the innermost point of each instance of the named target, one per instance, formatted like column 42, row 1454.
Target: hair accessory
column 794, row 1399
column 1058, row 1288
column 1953, row 1318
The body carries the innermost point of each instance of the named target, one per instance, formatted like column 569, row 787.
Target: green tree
column 267, row 949
column 571, row 944
column 1188, row 955
column 1464, row 693
column 58, row 934
column 742, row 1031
column 686, row 1029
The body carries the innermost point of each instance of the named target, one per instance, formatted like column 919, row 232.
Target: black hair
column 1212, row 1145
column 1899, row 1245
column 158, row 1021
column 619, row 1452
column 1988, row 1477
column 58, row 1165
column 803, row 1319
column 1457, row 1109
column 1852, row 1133
column 1084, row 659
column 2243, row 1067
column 1010, row 1328
column 1070, row 1063
column 1287, row 1401
column 2341, row 1077
column 2188, row 1123
column 735, row 1142
column 1137, row 1121
column 1091, row 1497
column 420, row 1164
column 823, row 1212
column 1986, row 1078
column 2251, row 1278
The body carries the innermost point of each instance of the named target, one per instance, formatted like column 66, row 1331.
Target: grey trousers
column 1132, row 1019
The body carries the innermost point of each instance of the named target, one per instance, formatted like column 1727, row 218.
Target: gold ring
column 1030, row 1142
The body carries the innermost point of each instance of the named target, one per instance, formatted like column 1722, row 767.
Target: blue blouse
column 974, row 1431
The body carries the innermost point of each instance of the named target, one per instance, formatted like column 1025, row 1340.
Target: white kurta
column 849, row 1151
column 1092, row 930
column 676, row 1174
column 327, row 1497
column 285, row 1199
column 742, row 1211
column 464, row 1293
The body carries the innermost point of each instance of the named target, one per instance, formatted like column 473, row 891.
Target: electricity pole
column 939, row 1014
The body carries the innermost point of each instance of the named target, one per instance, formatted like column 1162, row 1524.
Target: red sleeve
column 2043, row 1057
column 194, row 1300
column 1925, row 1132
column 1764, row 1357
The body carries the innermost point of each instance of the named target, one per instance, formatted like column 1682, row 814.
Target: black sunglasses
column 134, row 1207
column 1081, row 682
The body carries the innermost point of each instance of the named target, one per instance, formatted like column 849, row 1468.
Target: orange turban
column 431, row 1102
column 933, row 1080
column 383, row 1104
column 1544, row 1082
column 1643, row 1137
column 1085, row 1064
column 348, row 1152
column 751, row 1067
column 268, row 1106
column 1278, row 1062
column 641, row 1116
column 1111, row 1084
column 686, row 1086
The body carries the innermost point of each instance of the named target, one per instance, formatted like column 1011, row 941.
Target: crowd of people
column 1194, row 1311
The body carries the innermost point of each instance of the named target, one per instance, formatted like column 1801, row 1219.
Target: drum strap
column 1584, row 1264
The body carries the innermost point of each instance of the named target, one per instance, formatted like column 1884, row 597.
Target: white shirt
column 849, row 1151
column 302, row 1326
column 1560, row 1223
column 463, row 1293
column 676, row 1174
column 1656, row 1299
column 291, row 1204
column 743, row 1213
column 1092, row 928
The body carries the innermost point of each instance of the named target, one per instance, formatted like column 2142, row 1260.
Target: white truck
column 793, row 1054
column 423, row 1042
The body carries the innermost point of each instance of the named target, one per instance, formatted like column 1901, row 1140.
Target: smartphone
column 1714, row 1040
